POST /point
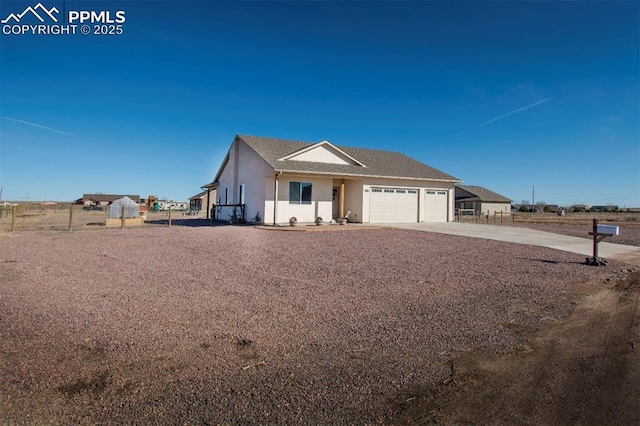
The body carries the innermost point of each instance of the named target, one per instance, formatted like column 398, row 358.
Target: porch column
column 342, row 198
column 275, row 199
column 208, row 195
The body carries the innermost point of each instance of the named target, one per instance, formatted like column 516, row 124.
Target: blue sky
column 507, row 95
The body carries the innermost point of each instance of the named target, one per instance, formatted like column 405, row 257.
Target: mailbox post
column 599, row 233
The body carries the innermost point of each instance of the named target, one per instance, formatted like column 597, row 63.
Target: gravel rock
column 228, row 325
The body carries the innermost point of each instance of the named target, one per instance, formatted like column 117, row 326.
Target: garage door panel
column 436, row 206
column 393, row 205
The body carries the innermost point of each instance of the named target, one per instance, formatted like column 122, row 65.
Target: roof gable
column 322, row 152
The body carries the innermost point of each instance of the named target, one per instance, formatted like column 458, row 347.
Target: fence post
column 70, row 215
column 169, row 216
column 513, row 217
column 13, row 218
column 122, row 217
column 501, row 216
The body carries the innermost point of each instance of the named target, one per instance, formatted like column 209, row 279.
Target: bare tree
column 540, row 205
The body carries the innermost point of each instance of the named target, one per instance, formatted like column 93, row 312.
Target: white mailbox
column 608, row 229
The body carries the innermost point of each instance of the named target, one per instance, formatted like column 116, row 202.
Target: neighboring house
column 196, row 202
column 103, row 199
column 481, row 200
column 308, row 180
column 201, row 200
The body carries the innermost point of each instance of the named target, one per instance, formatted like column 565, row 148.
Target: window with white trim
column 300, row 192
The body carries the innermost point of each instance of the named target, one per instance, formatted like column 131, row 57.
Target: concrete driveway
column 584, row 246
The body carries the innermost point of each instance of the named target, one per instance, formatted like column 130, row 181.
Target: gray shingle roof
column 198, row 196
column 478, row 193
column 378, row 163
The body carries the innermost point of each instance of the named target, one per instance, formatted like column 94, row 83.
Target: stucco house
column 196, row 202
column 308, row 180
column 481, row 200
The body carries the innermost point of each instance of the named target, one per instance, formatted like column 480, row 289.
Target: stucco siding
column 244, row 167
column 353, row 199
column 320, row 199
column 495, row 207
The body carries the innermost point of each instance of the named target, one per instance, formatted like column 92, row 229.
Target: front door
column 335, row 198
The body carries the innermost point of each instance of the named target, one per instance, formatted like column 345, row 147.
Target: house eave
column 478, row 199
column 359, row 175
column 211, row 185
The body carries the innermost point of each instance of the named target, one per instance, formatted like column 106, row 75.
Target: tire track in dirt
column 582, row 370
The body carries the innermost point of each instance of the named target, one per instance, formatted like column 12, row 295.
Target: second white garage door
column 435, row 206
column 393, row 205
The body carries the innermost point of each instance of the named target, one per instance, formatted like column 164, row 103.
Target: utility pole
column 533, row 199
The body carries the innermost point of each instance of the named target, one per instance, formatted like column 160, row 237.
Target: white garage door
column 393, row 205
column 435, row 206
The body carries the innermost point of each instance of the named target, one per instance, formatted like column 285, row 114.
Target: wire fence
column 73, row 217
column 470, row 215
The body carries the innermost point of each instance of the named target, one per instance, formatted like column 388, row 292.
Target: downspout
column 275, row 199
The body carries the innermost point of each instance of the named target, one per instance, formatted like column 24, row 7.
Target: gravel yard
column 229, row 325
